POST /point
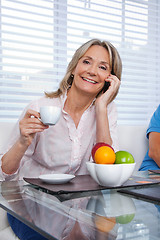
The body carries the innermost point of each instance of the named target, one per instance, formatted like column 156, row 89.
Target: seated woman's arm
column 29, row 126
column 154, row 147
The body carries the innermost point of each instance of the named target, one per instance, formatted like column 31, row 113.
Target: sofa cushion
column 133, row 139
column 3, row 219
column 8, row 234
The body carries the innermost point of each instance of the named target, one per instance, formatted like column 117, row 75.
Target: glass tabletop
column 97, row 215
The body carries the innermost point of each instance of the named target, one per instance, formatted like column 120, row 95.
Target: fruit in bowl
column 104, row 224
column 109, row 168
column 124, row 157
column 122, row 207
column 103, row 153
column 124, row 219
column 110, row 175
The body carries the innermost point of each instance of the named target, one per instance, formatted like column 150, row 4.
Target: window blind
column 39, row 37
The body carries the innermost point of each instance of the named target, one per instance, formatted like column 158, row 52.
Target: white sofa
column 131, row 138
column 6, row 232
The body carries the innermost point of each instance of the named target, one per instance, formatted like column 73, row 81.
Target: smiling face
column 92, row 70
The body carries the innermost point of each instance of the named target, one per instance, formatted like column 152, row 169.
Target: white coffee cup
column 50, row 115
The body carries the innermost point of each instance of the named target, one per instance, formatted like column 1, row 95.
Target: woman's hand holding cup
column 50, row 115
column 29, row 125
column 34, row 122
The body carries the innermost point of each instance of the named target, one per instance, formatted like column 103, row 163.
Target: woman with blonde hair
column 88, row 115
column 115, row 64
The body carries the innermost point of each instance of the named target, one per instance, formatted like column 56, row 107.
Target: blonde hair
column 115, row 65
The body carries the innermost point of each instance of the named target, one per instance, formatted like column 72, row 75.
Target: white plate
column 56, row 178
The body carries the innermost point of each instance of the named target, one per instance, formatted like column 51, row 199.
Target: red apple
column 98, row 145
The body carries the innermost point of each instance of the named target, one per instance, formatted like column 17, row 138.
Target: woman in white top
column 89, row 115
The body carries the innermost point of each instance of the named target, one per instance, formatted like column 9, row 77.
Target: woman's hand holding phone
column 108, row 95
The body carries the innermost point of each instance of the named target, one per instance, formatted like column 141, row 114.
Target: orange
column 105, row 155
column 105, row 224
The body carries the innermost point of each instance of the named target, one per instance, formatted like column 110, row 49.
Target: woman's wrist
column 101, row 109
column 23, row 143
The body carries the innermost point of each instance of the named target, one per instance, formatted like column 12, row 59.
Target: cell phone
column 106, row 86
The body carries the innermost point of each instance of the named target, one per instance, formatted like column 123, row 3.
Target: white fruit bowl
column 111, row 175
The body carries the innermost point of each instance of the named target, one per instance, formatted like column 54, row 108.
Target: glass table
column 98, row 215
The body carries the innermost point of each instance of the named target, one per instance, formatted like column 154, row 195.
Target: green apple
column 124, row 157
column 124, row 219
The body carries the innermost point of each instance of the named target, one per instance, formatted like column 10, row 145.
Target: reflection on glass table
column 95, row 215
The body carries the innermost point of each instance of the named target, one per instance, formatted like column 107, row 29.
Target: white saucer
column 56, row 178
